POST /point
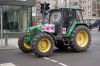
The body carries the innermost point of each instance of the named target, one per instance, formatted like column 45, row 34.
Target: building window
column 93, row 14
column 99, row 13
column 80, row 2
column 98, row 0
column 85, row 7
column 83, row 2
column 84, row 14
column 74, row 3
column 89, row 7
column 98, row 6
column 89, row 1
column 89, row 13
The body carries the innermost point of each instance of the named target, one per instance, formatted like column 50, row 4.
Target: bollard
column 6, row 40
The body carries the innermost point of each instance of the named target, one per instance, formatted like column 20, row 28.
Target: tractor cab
column 63, row 16
column 61, row 20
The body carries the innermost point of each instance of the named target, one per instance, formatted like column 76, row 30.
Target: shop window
column 16, row 18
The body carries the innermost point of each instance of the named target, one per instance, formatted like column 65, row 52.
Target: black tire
column 74, row 44
column 35, row 45
column 21, row 45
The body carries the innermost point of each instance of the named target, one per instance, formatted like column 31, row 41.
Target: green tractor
column 64, row 29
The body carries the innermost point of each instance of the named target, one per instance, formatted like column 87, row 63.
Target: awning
column 18, row 2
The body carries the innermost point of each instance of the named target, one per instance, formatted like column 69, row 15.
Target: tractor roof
column 64, row 9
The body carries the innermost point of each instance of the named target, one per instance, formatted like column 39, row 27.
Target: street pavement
column 12, row 56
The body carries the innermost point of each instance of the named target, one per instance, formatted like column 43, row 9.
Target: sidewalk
column 12, row 44
column 95, row 29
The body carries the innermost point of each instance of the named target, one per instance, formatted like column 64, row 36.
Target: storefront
column 15, row 16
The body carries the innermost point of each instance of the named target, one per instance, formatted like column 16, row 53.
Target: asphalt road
column 15, row 57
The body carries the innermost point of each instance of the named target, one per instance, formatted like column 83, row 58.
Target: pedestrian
column 99, row 28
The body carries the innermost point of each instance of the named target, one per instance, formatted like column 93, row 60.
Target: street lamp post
column 1, row 25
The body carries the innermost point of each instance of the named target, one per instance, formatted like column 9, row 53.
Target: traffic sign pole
column 44, row 8
column 1, row 26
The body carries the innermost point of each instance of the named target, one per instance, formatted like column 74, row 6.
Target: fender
column 74, row 24
column 51, row 36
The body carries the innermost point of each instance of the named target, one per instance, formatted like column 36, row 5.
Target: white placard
column 49, row 28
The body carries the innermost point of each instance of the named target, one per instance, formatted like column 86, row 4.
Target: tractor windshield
column 55, row 17
column 79, row 16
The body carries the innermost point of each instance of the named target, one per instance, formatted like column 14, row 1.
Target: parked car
column 96, row 23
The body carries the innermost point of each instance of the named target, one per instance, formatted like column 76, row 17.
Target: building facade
column 98, row 8
column 87, row 7
column 91, row 8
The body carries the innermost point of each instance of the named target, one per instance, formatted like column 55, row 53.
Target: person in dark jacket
column 99, row 28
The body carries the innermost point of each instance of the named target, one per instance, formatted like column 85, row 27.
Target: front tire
column 23, row 46
column 42, row 45
column 80, row 39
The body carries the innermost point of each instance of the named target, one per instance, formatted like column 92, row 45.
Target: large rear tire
column 80, row 39
column 23, row 46
column 42, row 45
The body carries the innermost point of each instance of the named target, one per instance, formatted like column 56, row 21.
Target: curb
column 94, row 30
column 8, row 48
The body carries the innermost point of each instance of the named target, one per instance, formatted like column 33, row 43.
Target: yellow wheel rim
column 27, row 46
column 82, row 38
column 44, row 45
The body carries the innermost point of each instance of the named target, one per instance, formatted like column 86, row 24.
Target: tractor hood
column 34, row 29
column 40, row 28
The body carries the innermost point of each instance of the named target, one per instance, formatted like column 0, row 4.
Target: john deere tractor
column 64, row 29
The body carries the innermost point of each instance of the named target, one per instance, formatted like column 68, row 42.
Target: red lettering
column 52, row 27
